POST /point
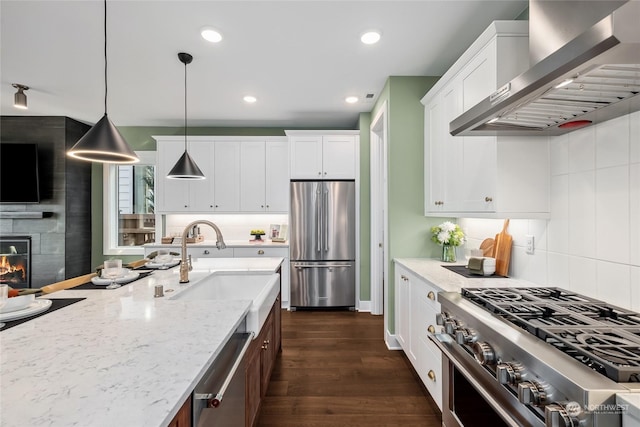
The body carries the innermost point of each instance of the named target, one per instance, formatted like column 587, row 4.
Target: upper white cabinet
column 226, row 176
column 243, row 174
column 180, row 195
column 264, row 177
column 320, row 155
column 477, row 175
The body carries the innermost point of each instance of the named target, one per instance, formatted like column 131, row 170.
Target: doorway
column 379, row 219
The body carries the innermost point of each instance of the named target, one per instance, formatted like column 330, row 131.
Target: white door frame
column 379, row 217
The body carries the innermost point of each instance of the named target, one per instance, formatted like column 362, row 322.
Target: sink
column 261, row 289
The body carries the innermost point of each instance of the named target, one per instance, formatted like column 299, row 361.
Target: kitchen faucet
column 186, row 266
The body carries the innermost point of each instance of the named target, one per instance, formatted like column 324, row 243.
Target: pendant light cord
column 105, row 57
column 185, row 106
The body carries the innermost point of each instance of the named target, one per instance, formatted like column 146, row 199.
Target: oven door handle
column 214, row 400
column 444, row 342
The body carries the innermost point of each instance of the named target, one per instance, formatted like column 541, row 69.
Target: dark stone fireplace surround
column 60, row 225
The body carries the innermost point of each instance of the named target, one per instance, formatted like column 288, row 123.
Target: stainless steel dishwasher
column 219, row 398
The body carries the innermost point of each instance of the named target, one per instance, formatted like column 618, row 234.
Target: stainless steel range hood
column 593, row 77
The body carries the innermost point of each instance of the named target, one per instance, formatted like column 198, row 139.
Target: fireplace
column 15, row 261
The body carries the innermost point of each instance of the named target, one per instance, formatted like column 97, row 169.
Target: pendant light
column 103, row 142
column 185, row 167
column 20, row 98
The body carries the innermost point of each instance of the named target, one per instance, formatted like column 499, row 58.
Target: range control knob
column 466, row 336
column 531, row 393
column 451, row 326
column 441, row 318
column 558, row 415
column 507, row 373
column 483, row 353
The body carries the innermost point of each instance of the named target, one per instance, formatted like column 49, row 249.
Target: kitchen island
column 119, row 357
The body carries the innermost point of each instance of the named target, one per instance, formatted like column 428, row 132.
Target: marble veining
column 118, row 358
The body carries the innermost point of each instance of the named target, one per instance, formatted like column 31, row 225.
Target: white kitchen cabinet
column 403, row 310
column 226, row 176
column 323, row 156
column 179, row 195
column 416, row 309
column 264, row 176
column 477, row 175
column 243, row 174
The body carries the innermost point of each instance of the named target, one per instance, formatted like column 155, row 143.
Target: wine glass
column 112, row 269
column 4, row 294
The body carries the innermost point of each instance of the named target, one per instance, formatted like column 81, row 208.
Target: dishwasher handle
column 214, row 400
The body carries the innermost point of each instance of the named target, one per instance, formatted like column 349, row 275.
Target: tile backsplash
column 232, row 226
column 591, row 243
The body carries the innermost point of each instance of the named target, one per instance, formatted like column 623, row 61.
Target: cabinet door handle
column 206, row 252
column 431, row 375
column 216, row 206
column 267, row 206
column 431, row 296
column 260, row 252
column 262, row 206
column 488, row 199
column 319, row 173
column 431, row 329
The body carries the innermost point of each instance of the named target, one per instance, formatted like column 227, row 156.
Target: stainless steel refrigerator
column 322, row 231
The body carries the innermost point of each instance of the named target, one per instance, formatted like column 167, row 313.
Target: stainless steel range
column 535, row 357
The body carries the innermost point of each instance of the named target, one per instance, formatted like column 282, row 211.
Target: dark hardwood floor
column 335, row 370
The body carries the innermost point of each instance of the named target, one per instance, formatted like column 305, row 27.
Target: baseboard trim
column 364, row 306
column 391, row 341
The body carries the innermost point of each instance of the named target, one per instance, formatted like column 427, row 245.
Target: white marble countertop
column 229, row 243
column 433, row 271
column 120, row 357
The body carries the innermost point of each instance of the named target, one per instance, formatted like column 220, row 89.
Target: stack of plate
column 23, row 306
column 126, row 277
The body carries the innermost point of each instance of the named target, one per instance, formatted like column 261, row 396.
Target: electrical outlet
column 529, row 245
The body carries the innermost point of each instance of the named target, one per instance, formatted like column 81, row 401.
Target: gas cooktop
column 601, row 336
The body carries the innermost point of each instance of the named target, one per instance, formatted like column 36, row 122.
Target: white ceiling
column 299, row 58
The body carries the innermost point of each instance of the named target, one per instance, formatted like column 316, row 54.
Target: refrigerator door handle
column 325, row 207
column 318, row 219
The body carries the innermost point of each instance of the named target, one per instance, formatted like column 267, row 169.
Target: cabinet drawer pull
column 431, row 296
column 431, row 329
column 206, row 252
column 488, row 199
column 431, row 375
column 260, row 252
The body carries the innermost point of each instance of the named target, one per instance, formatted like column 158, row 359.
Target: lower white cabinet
column 416, row 309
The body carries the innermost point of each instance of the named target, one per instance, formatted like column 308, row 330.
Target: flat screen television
column 19, row 173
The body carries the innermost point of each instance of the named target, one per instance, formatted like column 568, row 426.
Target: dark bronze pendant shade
column 185, row 167
column 103, row 142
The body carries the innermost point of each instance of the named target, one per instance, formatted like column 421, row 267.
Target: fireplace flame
column 11, row 272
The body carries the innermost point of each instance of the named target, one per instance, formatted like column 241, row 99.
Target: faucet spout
column 185, row 264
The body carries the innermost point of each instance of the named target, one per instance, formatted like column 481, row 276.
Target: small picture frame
column 278, row 232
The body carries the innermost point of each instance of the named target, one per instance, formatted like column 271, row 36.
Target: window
column 129, row 205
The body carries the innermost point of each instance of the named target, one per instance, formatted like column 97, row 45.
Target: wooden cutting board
column 502, row 250
column 487, row 247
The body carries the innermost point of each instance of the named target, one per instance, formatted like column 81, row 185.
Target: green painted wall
column 364, row 123
column 408, row 235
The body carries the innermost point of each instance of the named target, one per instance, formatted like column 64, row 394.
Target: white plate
column 152, row 264
column 38, row 306
column 17, row 303
column 129, row 277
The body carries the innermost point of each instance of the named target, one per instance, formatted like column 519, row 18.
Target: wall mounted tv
column 19, row 173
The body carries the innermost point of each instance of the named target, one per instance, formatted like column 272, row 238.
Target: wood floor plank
column 336, row 371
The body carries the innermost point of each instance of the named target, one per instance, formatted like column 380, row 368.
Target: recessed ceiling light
column 351, row 99
column 250, row 99
column 211, row 35
column 370, row 37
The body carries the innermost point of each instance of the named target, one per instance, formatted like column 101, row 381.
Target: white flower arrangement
column 448, row 233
